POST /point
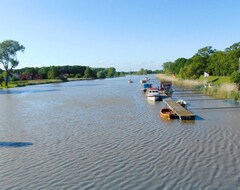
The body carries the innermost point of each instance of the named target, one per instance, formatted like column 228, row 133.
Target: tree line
column 8, row 59
column 63, row 72
column 207, row 59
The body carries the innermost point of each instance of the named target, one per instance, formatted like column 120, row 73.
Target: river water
column 104, row 134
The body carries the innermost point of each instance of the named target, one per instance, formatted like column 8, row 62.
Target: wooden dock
column 181, row 112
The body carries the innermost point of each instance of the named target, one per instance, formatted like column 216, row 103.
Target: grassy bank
column 219, row 87
column 13, row 84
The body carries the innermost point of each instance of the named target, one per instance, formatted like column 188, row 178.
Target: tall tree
column 8, row 56
column 53, row 72
column 110, row 71
column 233, row 47
column 101, row 74
column 179, row 63
column 206, row 51
column 43, row 72
column 89, row 73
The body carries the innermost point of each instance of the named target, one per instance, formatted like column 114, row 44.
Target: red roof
column 152, row 89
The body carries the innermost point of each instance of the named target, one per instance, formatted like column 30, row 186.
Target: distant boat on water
column 130, row 81
column 145, row 80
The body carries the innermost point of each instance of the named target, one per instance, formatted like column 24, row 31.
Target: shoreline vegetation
column 11, row 77
column 14, row 84
column 222, row 90
column 214, row 72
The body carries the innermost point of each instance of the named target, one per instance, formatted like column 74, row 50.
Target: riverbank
column 13, row 84
column 223, row 90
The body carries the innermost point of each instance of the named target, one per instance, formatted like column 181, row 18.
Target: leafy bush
column 78, row 75
column 101, row 74
column 15, row 78
column 235, row 77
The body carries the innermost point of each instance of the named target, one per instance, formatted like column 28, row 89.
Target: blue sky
column 125, row 34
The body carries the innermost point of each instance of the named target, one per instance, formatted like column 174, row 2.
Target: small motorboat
column 130, row 81
column 182, row 103
column 153, row 94
column 167, row 113
column 146, row 86
column 145, row 80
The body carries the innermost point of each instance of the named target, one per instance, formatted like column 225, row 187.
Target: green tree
column 142, row 71
column 43, row 72
column 233, row 47
column 101, row 74
column 235, row 77
column 178, row 64
column 110, row 72
column 30, row 71
column 167, row 67
column 88, row 73
column 216, row 63
column 78, row 75
column 206, row 51
column 195, row 67
column 53, row 72
column 8, row 56
column 1, row 79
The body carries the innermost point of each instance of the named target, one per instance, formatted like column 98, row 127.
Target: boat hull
column 167, row 113
column 153, row 94
column 154, row 98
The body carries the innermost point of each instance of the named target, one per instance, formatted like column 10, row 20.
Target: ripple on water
column 88, row 138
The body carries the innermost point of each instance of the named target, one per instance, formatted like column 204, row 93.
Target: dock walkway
column 179, row 110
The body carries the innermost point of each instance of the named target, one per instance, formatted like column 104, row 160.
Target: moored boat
column 166, row 87
column 182, row 103
column 153, row 94
column 167, row 113
column 146, row 86
column 145, row 80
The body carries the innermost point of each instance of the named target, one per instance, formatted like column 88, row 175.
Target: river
column 104, row 134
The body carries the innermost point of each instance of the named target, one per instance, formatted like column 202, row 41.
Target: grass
column 221, row 87
column 13, row 84
column 216, row 80
column 180, row 82
column 224, row 91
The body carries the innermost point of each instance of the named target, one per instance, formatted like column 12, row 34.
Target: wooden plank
column 179, row 110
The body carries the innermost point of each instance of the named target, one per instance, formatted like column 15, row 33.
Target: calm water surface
column 104, row 134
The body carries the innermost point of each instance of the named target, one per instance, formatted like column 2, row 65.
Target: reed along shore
column 224, row 90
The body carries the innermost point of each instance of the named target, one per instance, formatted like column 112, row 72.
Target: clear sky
column 125, row 34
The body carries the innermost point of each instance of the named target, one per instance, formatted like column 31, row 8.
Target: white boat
column 145, row 80
column 182, row 103
column 130, row 81
column 153, row 94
